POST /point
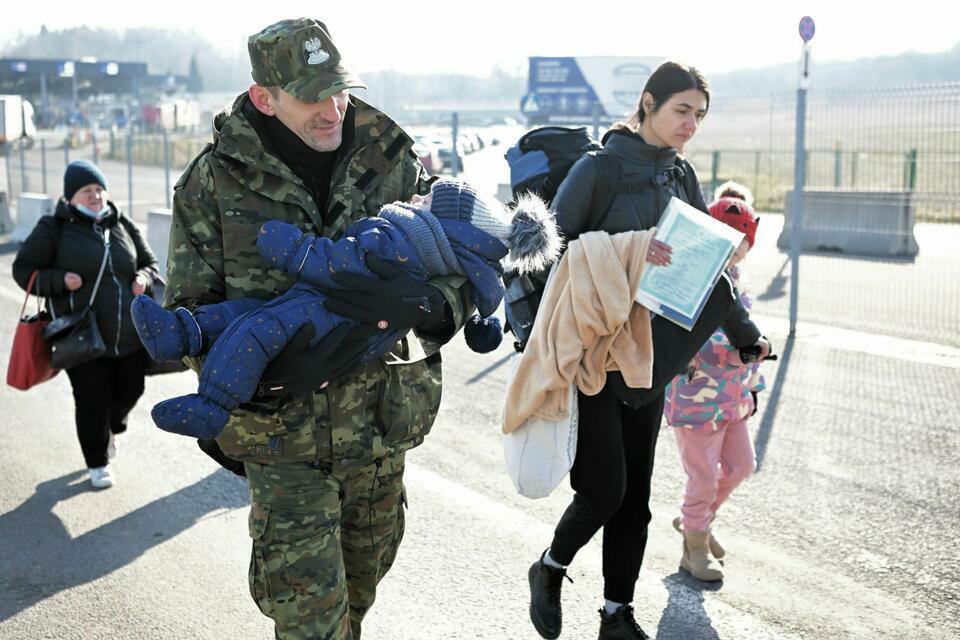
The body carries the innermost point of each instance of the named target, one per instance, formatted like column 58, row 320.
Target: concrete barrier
column 30, row 208
column 158, row 235
column 870, row 223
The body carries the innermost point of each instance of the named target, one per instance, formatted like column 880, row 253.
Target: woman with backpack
column 89, row 253
column 617, row 432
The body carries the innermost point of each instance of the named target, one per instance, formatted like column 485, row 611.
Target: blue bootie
column 190, row 415
column 166, row 335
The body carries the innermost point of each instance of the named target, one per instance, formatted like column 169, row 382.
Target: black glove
column 396, row 301
column 212, row 449
column 300, row 368
column 752, row 353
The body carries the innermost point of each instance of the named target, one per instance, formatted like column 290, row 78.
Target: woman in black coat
column 66, row 250
column 618, row 427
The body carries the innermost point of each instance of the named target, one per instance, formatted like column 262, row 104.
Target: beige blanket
column 587, row 324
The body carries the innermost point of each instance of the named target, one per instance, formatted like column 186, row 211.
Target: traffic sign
column 807, row 28
column 574, row 90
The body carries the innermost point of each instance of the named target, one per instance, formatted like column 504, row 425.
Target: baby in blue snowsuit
column 454, row 230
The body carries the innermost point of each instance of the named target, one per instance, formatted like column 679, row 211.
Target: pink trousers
column 716, row 462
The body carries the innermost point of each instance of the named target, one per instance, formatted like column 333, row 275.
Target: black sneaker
column 620, row 625
column 545, row 583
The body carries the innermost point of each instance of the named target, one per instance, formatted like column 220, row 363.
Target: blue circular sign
column 807, row 28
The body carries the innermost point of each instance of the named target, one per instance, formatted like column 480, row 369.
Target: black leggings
column 611, row 477
column 104, row 392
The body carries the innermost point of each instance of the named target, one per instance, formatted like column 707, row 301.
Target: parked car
column 446, row 156
column 429, row 155
column 16, row 121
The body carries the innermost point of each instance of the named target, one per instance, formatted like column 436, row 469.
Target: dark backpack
column 539, row 162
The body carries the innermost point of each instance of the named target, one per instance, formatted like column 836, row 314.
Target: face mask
column 91, row 213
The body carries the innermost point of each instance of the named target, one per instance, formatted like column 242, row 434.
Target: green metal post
column 838, row 167
column 910, row 173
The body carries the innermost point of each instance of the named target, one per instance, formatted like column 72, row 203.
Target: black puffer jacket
column 70, row 241
column 639, row 210
column 639, row 163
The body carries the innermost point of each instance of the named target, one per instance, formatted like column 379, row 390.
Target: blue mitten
column 283, row 246
column 166, row 335
column 191, row 415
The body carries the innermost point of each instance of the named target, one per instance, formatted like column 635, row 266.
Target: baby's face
column 422, row 202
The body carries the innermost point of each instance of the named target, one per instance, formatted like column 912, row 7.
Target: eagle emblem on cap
column 317, row 55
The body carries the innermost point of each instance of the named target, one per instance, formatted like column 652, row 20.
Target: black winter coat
column 637, row 211
column 639, row 164
column 71, row 241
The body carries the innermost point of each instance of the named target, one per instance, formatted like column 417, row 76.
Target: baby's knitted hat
column 528, row 231
column 455, row 200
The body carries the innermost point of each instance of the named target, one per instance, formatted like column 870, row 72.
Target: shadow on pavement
column 772, row 401
column 684, row 617
column 496, row 365
column 41, row 559
column 778, row 284
column 9, row 247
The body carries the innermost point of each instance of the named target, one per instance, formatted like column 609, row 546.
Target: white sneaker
column 112, row 447
column 101, row 478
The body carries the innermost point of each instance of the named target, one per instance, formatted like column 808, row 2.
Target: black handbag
column 75, row 338
column 153, row 367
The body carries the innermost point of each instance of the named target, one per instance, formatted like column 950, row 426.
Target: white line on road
column 918, row 351
column 828, row 337
column 486, row 521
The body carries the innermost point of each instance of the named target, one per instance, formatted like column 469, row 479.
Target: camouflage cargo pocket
column 391, row 553
column 296, row 570
column 259, row 587
column 267, row 431
column 408, row 403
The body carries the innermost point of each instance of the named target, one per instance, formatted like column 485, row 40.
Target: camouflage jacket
column 219, row 204
column 715, row 389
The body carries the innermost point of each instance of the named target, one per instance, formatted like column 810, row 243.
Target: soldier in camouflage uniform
column 324, row 462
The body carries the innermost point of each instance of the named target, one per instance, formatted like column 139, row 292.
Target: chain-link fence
column 881, row 206
column 141, row 168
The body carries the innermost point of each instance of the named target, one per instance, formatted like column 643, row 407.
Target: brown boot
column 716, row 549
column 696, row 561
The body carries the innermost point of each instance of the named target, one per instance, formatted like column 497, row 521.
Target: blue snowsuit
column 244, row 335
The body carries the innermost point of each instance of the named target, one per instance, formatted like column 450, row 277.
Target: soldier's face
column 318, row 124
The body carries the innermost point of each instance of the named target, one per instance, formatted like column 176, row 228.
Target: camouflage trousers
column 322, row 540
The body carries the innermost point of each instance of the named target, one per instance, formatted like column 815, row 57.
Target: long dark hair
column 670, row 78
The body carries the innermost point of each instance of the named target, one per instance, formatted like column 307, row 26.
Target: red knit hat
column 736, row 213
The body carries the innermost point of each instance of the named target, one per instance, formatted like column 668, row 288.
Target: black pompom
column 483, row 335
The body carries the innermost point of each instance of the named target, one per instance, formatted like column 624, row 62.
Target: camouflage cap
column 299, row 57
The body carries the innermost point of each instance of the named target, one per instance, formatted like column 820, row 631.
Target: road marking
column 828, row 337
column 875, row 344
column 515, row 529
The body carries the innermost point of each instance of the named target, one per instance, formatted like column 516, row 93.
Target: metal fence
column 881, row 205
column 882, row 198
column 883, row 139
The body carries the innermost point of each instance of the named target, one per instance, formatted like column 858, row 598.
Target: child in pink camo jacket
column 709, row 407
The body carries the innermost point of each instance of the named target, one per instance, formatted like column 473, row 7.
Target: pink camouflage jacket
column 716, row 388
